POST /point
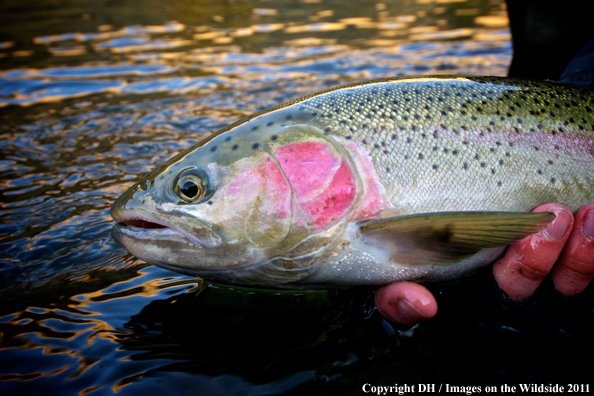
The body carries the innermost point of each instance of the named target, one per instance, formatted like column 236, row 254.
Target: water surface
column 95, row 94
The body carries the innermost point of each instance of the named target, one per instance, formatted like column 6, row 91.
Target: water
column 95, row 94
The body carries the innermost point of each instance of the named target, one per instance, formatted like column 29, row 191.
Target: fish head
column 240, row 200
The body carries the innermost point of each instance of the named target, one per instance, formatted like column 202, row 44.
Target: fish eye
column 189, row 186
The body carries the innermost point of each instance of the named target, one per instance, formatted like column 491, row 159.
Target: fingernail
column 558, row 228
column 588, row 225
column 407, row 309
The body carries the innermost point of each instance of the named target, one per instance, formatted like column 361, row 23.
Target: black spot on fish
column 408, row 140
column 388, row 170
column 552, row 180
column 288, row 117
column 434, row 166
column 539, row 172
column 492, row 149
column 498, row 184
column 235, row 147
column 421, row 156
column 455, row 152
column 445, row 150
column 213, row 148
column 465, row 166
column 434, row 148
column 364, row 141
column 273, row 137
column 482, row 164
column 210, row 202
column 228, row 138
column 255, row 146
column 394, row 137
column 493, row 171
column 550, row 162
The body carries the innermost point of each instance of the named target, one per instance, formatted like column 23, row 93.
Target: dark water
column 93, row 94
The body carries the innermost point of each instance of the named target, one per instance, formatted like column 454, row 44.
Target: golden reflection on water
column 235, row 35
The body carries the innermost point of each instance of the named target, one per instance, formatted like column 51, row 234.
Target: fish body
column 412, row 178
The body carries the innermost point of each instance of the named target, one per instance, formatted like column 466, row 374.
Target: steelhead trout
column 413, row 178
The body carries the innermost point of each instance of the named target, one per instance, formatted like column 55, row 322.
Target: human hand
column 565, row 249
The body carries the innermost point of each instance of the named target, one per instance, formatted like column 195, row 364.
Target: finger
column 405, row 302
column 529, row 260
column 575, row 268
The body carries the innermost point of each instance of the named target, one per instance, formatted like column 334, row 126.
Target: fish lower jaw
column 124, row 234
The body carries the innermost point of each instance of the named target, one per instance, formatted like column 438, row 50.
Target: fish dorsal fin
column 444, row 237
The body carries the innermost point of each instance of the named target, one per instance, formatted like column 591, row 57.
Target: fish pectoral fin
column 444, row 237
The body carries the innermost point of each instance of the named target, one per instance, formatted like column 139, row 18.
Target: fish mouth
column 143, row 226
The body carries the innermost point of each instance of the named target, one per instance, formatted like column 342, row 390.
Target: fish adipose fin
column 447, row 237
